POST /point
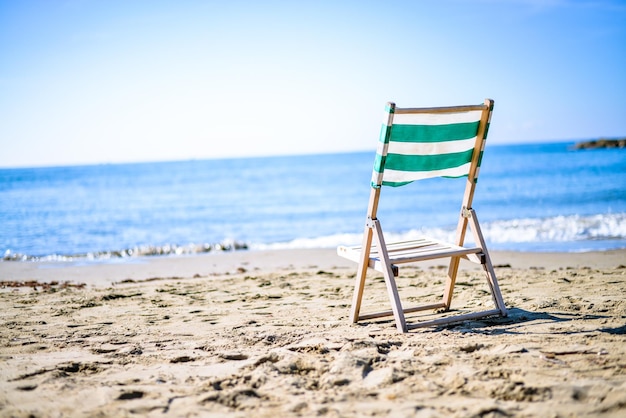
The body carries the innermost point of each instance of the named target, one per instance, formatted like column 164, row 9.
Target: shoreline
column 108, row 272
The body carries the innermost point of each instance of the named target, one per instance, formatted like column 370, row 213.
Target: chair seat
column 420, row 249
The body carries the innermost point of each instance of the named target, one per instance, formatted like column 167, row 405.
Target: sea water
column 532, row 197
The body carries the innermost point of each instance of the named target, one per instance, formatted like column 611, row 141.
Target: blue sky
column 85, row 81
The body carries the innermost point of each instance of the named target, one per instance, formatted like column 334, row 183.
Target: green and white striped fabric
column 420, row 145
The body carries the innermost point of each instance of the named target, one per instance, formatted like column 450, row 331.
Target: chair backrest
column 420, row 143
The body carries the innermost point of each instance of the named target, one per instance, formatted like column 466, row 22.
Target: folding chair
column 416, row 144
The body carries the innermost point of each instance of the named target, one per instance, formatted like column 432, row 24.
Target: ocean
column 530, row 197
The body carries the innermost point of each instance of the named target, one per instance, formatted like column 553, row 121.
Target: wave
column 559, row 229
column 541, row 233
column 139, row 251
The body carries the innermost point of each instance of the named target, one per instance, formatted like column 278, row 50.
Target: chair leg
column 390, row 281
column 453, row 268
column 357, row 296
column 450, row 281
column 494, row 287
column 394, row 298
column 491, row 274
column 360, row 275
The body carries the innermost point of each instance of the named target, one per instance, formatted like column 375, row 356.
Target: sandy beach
column 266, row 334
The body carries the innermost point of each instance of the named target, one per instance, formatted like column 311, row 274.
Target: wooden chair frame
column 375, row 253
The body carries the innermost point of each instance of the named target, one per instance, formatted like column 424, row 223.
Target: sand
column 266, row 334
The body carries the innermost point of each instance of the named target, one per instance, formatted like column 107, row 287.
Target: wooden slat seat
column 409, row 252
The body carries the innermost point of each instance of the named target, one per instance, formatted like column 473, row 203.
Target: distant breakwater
column 601, row 143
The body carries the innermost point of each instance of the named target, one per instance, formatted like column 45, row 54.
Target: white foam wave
column 557, row 230
column 329, row 241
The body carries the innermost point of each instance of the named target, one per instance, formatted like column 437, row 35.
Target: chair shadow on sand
column 518, row 318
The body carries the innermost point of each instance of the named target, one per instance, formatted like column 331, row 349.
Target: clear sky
column 101, row 81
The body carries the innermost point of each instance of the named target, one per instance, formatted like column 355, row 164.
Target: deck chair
column 416, row 144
